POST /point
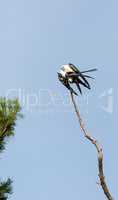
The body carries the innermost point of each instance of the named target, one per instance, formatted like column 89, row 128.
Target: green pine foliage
column 10, row 111
column 5, row 189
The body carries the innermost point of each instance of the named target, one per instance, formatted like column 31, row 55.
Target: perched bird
column 70, row 74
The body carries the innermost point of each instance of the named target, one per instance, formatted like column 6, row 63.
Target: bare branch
column 98, row 148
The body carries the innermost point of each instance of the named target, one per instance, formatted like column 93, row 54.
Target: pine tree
column 9, row 113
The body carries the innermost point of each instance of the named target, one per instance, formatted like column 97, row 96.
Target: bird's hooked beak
column 59, row 74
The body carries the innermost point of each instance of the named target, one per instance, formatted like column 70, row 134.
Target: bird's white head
column 65, row 69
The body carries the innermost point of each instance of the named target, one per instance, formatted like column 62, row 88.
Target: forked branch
column 98, row 148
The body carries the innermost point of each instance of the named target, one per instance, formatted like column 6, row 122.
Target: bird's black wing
column 84, row 84
column 72, row 74
column 78, row 75
column 74, row 68
column 86, row 76
column 90, row 70
column 85, row 81
column 67, row 85
column 78, row 86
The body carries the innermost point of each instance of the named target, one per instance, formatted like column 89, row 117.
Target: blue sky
column 48, row 158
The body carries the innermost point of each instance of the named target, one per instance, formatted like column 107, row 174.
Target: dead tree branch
column 98, row 148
